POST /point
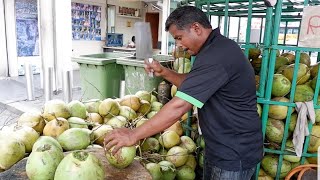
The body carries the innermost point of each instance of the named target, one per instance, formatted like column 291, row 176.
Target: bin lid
column 132, row 61
column 100, row 59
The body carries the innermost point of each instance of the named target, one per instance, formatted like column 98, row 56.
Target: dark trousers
column 211, row 172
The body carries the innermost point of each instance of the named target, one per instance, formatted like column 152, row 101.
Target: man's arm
column 167, row 116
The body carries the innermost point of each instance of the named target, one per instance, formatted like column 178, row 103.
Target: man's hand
column 154, row 67
column 119, row 138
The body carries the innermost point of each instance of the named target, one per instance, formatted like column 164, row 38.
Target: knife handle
column 150, row 73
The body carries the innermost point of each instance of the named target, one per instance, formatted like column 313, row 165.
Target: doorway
column 153, row 19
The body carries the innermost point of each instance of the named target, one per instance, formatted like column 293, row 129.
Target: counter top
column 119, row 48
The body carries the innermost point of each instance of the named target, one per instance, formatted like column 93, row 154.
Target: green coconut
column 80, row 165
column 156, row 106
column 154, row 170
column 270, row 164
column 46, row 140
column 185, row 173
column 169, row 139
column 177, row 156
column 109, row 108
column 168, row 170
column 278, row 111
column 280, row 86
column 188, row 143
column 128, row 113
column 92, row 106
column 74, row 139
column 293, row 122
column 132, row 101
column 145, row 107
column 151, row 114
column 304, row 93
column 144, row 95
column 178, row 62
column 54, row 109
column 75, row 122
column 77, row 109
column 123, row 158
column 117, row 122
column 28, row 136
column 43, row 162
column 274, row 130
column 150, row 145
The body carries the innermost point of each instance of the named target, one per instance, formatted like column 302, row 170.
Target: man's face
column 186, row 38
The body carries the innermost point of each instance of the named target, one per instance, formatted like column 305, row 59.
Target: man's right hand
column 154, row 67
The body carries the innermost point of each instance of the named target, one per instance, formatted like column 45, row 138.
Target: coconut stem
column 80, row 155
column 43, row 148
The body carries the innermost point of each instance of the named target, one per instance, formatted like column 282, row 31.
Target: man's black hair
column 184, row 16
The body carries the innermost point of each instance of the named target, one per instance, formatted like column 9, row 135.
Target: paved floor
column 13, row 97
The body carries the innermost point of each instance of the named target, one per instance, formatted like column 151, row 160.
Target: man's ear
column 197, row 28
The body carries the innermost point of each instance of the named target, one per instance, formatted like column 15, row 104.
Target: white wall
column 91, row 47
column 121, row 22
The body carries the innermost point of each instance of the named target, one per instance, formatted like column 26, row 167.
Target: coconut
column 256, row 64
column 184, row 68
column 140, row 121
column 188, row 143
column 259, row 110
column 191, row 162
column 145, row 107
column 33, row 120
column 281, row 85
column 128, row 113
column 153, row 98
column 151, row 114
column 74, row 139
column 200, row 142
column 185, row 173
column 168, row 170
column 305, row 59
column 150, row 144
column 95, row 118
column 109, row 108
column 28, row 136
column 314, row 139
column 145, row 95
column 270, row 164
column 54, row 109
column 281, row 61
column 43, row 162
column 117, row 122
column 131, row 101
column 80, row 165
column 156, row 106
column 92, row 106
column 56, row 127
column 12, row 150
column 169, row 139
column 290, row 56
column 303, row 73
column 201, row 159
column 173, row 90
column 314, row 70
column 46, row 140
column 75, row 122
column 77, row 109
column 123, row 158
column 278, row 111
column 296, row 164
column 100, row 132
column 177, row 155
column 293, row 122
column 154, row 170
column 176, row 127
column 163, row 151
column 304, row 93
column 264, row 176
column 290, row 147
column 178, row 62
column 254, row 53
column 274, row 130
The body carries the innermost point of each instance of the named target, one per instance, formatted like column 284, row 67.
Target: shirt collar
column 214, row 33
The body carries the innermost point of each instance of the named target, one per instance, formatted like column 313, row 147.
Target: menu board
column 86, row 21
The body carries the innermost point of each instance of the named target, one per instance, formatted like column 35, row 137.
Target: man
column 221, row 85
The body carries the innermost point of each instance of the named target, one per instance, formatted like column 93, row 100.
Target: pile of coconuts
column 278, row 115
column 77, row 126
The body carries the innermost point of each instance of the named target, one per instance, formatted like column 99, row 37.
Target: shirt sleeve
column 201, row 83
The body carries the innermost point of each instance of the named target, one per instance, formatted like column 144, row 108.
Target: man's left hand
column 119, row 138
